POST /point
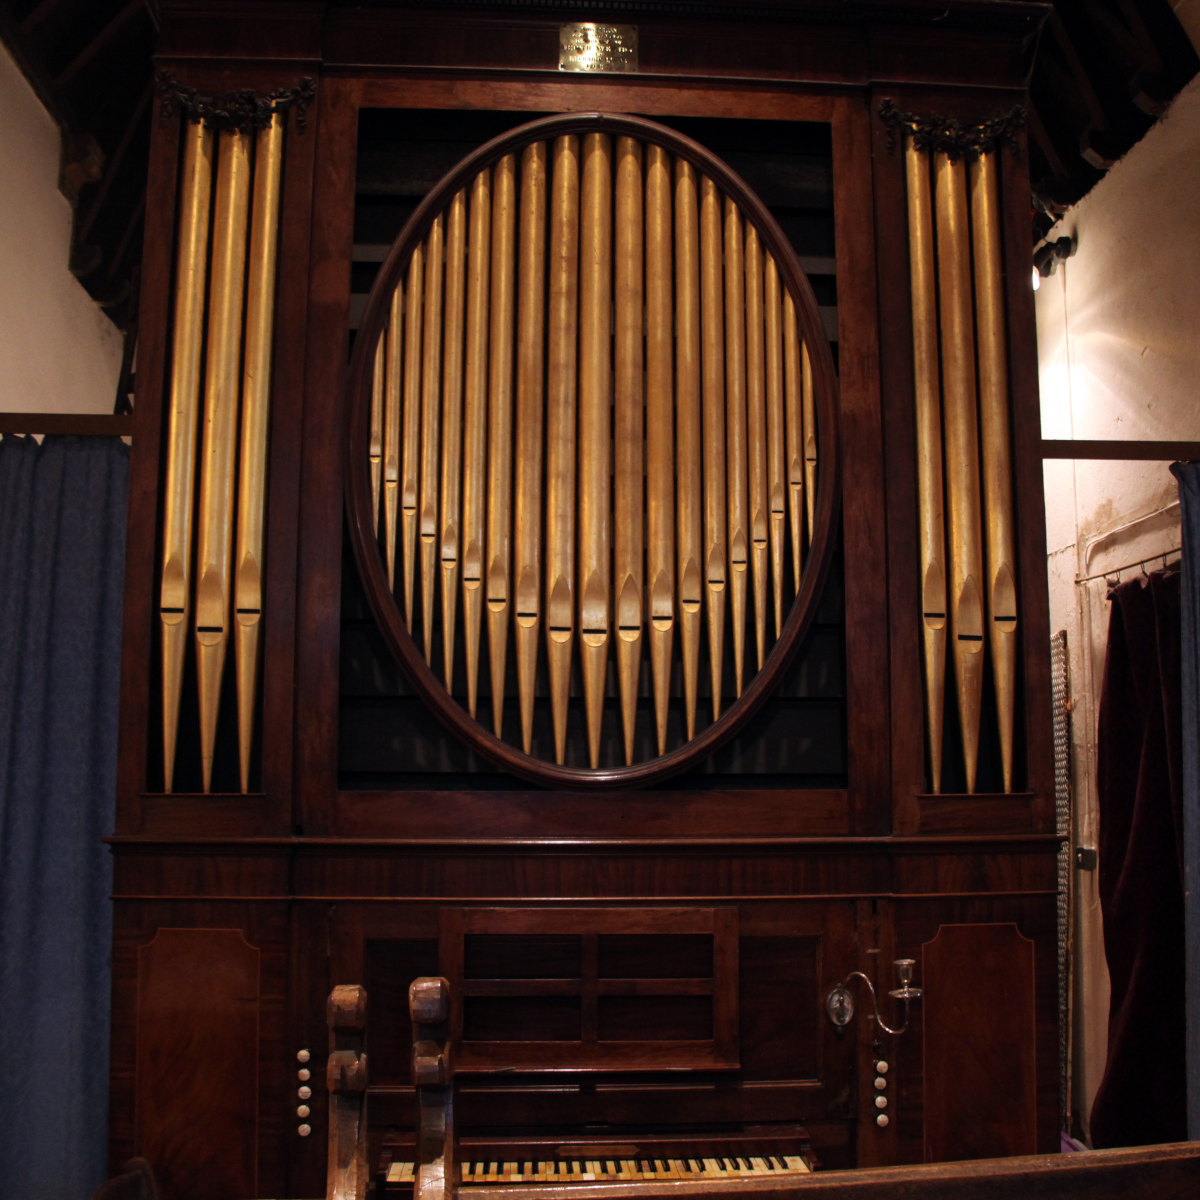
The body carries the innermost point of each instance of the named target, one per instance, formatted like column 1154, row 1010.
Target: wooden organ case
column 641, row 937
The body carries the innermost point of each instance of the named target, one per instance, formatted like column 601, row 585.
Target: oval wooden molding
column 364, row 490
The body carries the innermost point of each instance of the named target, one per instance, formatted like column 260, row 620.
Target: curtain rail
column 81, row 424
column 1164, row 555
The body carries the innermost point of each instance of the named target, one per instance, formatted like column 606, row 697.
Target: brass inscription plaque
column 586, row 46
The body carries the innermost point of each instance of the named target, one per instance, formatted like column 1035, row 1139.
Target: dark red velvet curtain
column 1143, row 1096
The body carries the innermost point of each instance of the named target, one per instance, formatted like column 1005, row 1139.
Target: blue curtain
column 1188, row 475
column 62, row 551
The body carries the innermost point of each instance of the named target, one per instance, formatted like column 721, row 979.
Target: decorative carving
column 932, row 132
column 243, row 109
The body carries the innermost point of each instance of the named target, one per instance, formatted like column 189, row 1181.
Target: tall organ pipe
column 562, row 333
column 391, row 343
column 735, row 434
column 500, row 427
column 961, row 453
column 628, row 473
column 927, row 395
column 756, row 437
column 474, row 503
column 660, row 448
column 431, row 414
column 450, row 549
column 410, row 459
column 691, row 508
column 221, row 392
column 595, row 430
column 531, row 334
column 713, row 349
column 190, row 276
column 776, row 467
column 1001, row 588
column 256, row 407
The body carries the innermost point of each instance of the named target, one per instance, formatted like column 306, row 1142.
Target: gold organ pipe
column 562, row 331
column 961, row 448
column 531, row 332
column 735, row 432
column 926, row 388
column 221, row 394
column 794, row 430
column 452, row 414
column 997, row 460
column 595, row 429
column 474, row 482
column 190, row 272
column 392, row 412
column 431, row 412
column 659, row 417
column 500, row 426
column 810, row 438
column 688, row 470
column 628, row 478
column 712, row 343
column 756, row 436
column 256, row 407
column 375, row 451
column 410, row 461
column 776, row 487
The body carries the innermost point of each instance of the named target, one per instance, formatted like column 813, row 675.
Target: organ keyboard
column 772, row 1151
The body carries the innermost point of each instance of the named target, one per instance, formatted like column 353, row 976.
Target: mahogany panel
column 283, row 479
column 520, row 814
column 898, row 413
column 1033, row 674
column 309, row 987
column 189, row 814
column 979, row 871
column 978, row 813
column 320, row 511
column 917, row 922
column 582, row 872
column 963, row 58
column 651, row 98
column 263, row 927
column 197, row 1054
column 710, row 49
column 980, row 1054
column 154, row 869
column 864, row 508
column 240, row 29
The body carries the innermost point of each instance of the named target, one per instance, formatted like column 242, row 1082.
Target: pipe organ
column 587, row 545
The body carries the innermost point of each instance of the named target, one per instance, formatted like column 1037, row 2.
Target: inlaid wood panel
column 980, row 1043
column 197, row 1063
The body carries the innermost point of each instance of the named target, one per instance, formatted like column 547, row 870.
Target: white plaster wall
column 59, row 352
column 1119, row 357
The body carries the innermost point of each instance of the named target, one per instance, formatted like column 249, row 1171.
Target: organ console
column 587, row 545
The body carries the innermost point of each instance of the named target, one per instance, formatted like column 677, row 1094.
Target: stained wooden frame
column 915, row 811
column 358, row 485
column 143, row 808
column 856, row 807
column 590, row 1052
